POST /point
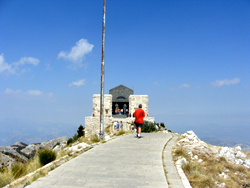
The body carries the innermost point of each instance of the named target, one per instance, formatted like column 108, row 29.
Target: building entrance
column 120, row 108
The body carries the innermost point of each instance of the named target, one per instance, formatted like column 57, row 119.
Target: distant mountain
column 17, row 130
column 227, row 143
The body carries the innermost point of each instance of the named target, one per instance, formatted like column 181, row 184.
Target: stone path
column 123, row 162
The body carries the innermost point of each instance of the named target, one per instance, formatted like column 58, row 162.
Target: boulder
column 6, row 160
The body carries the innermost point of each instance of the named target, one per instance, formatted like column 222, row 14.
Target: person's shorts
column 138, row 125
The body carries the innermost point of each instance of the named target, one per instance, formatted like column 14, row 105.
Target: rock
column 200, row 161
column 247, row 163
column 13, row 153
column 223, row 175
column 52, row 143
column 196, row 157
column 238, row 148
column 19, row 146
column 190, row 153
column 239, row 154
column 31, row 150
column 6, row 160
column 78, row 147
column 191, row 143
column 239, row 161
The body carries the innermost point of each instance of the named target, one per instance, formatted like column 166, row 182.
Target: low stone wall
column 92, row 124
column 150, row 119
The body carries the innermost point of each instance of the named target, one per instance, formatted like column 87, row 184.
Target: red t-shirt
column 139, row 114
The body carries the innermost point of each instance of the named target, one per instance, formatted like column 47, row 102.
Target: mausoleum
column 119, row 105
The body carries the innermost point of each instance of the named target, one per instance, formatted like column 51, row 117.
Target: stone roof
column 121, row 93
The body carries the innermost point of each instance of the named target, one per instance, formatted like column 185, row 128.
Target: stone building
column 119, row 105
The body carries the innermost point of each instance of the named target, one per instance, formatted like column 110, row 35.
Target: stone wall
column 92, row 124
column 135, row 100
column 107, row 105
column 132, row 119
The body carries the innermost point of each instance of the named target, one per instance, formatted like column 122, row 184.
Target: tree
column 80, row 131
column 162, row 125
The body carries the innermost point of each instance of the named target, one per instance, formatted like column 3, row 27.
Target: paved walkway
column 123, row 162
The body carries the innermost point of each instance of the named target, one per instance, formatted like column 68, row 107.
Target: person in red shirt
column 139, row 114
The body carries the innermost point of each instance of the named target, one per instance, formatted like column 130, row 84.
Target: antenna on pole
column 102, row 74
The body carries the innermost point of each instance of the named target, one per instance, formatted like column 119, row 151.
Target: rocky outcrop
column 22, row 152
column 191, row 143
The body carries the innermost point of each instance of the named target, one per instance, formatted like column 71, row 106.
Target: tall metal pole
column 102, row 74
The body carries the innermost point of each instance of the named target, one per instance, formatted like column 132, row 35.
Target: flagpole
column 102, row 74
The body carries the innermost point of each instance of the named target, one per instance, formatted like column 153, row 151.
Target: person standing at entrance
column 139, row 114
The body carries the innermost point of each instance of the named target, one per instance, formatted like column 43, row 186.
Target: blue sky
column 191, row 57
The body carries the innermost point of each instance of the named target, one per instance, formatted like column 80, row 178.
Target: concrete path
column 123, row 162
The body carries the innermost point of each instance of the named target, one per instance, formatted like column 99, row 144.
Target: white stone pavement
column 123, row 162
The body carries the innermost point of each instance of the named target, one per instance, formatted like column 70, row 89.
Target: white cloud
column 181, row 87
column 27, row 60
column 34, row 92
column 14, row 67
column 77, row 53
column 156, row 83
column 78, row 83
column 48, row 67
column 5, row 67
column 220, row 83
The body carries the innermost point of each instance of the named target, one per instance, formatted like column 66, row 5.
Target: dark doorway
column 123, row 106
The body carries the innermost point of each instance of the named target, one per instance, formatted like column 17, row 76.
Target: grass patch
column 5, row 178
column 181, row 152
column 18, row 170
column 94, row 139
column 121, row 132
column 107, row 129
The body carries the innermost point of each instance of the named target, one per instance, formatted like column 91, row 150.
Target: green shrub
column 75, row 137
column 46, row 156
column 18, row 170
column 148, row 127
column 69, row 141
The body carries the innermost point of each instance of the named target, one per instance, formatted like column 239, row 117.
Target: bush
column 46, row 156
column 148, row 127
column 69, row 141
column 75, row 137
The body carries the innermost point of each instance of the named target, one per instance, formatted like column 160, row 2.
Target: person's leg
column 139, row 131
